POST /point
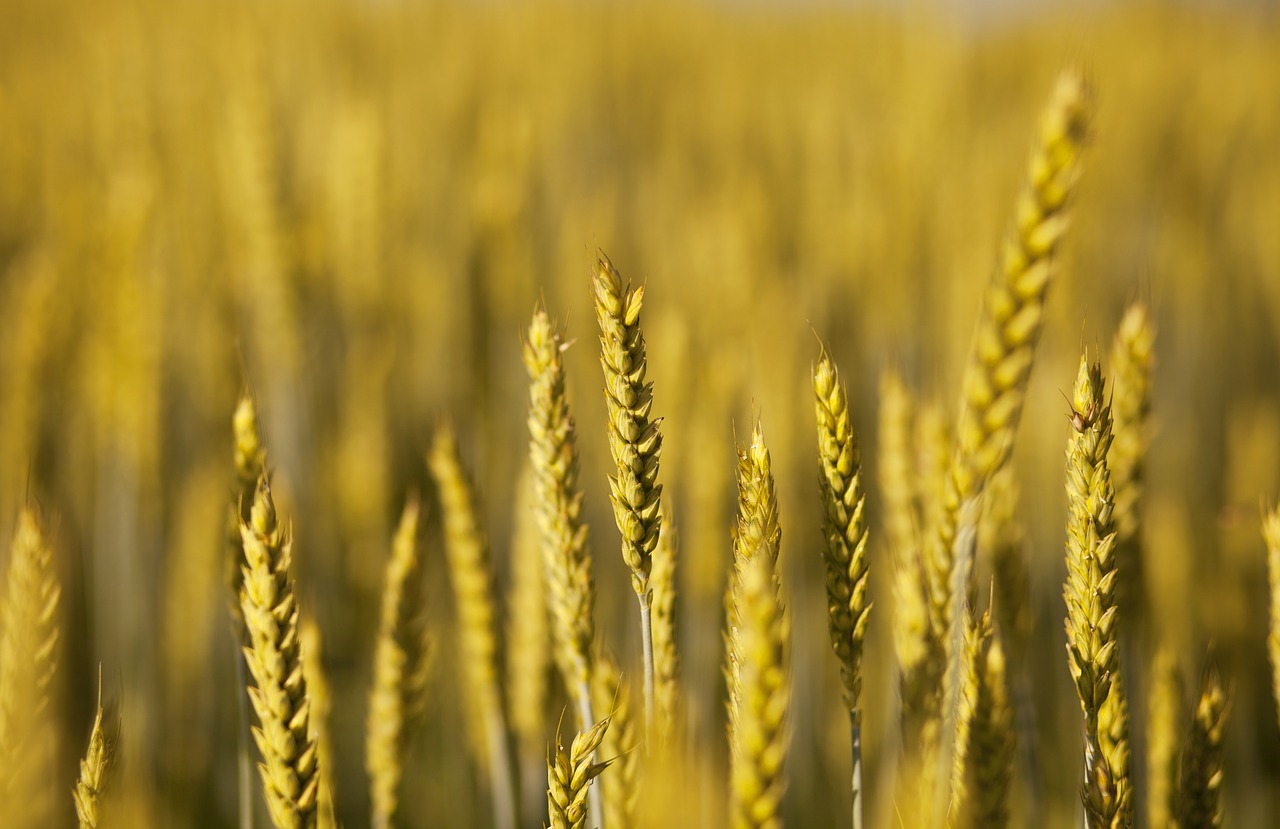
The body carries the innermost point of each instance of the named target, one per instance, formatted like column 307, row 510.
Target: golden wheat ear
column 279, row 693
column 569, row 776
column 1199, row 798
column 94, row 765
column 400, row 662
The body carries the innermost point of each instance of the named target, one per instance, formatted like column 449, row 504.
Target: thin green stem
column 855, row 741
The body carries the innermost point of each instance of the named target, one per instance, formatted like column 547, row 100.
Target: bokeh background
column 351, row 208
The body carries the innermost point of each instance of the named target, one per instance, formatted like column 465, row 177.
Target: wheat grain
column 28, row 662
column 472, row 579
column 397, row 697
column 840, row 484
column 983, row 761
column 635, row 441
column 93, row 771
column 1090, row 592
column 569, row 776
column 1198, row 804
column 759, row 744
column 279, row 695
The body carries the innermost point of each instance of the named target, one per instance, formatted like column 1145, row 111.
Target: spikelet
column 321, row 706
column 756, row 534
column 93, row 771
column 569, row 776
column 1090, row 594
column 621, row 787
column 666, row 662
column 553, row 454
column 28, row 661
column 634, row 438
column 759, row 744
column 1131, row 367
column 1198, row 804
column 845, row 531
column 478, row 649
column 1166, row 717
column 279, row 693
column 400, row 663
column 996, row 375
column 983, row 761
column 1271, row 533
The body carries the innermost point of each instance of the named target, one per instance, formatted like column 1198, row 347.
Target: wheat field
column 468, row 414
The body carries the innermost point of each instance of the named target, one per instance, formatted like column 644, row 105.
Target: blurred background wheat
column 350, row 209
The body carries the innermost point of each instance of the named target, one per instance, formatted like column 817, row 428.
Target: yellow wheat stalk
column 321, row 706
column 397, row 696
column 983, row 761
column 845, row 531
column 569, row 776
column 1132, row 363
column 666, row 661
column 93, row 770
column 279, row 694
column 471, row 576
column 1199, row 799
column 1166, row 717
column 1090, row 598
column 29, row 614
column 635, row 441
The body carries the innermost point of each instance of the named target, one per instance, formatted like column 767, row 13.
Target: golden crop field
column 334, row 474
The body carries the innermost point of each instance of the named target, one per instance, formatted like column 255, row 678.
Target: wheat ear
column 553, row 455
column 621, row 787
column 666, row 660
column 1198, row 804
column 1132, row 362
column 569, row 776
column 761, row 645
column 983, row 761
column 248, row 458
column 321, row 706
column 28, row 663
column 279, row 695
column 756, row 534
column 528, row 647
column 93, row 770
column 470, row 574
column 845, row 531
column 999, row 366
column 1090, row 591
column 1271, row 534
column 1166, row 718
column 635, row 442
column 397, row 697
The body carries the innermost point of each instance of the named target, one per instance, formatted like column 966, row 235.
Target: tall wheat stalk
column 478, row 649
column 845, row 531
column 553, row 455
column 29, row 637
column 983, row 762
column 635, row 442
column 400, row 664
column 1091, row 601
column 279, row 695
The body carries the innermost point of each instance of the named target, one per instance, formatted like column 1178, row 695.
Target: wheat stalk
column 29, row 615
column 840, row 484
column 93, row 770
column 279, row 694
column 472, row 579
column 666, row 663
column 621, row 788
column 1132, row 362
column 897, row 476
column 983, row 761
column 996, row 375
column 1198, row 804
column 569, row 776
column 759, row 745
column 1166, row 716
column 1271, row 534
column 1090, row 594
column 400, row 663
column 321, row 706
column 635, row 442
